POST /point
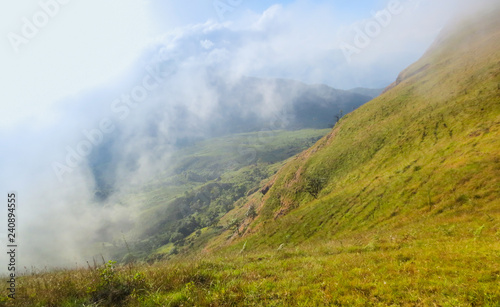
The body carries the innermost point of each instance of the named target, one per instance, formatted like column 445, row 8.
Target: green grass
column 380, row 271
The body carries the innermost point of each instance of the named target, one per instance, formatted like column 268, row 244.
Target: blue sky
column 199, row 11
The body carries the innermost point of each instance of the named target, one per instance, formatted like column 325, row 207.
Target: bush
column 110, row 290
column 176, row 236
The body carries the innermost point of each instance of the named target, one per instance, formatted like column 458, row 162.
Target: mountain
column 247, row 105
column 239, row 105
column 370, row 92
column 426, row 150
column 397, row 205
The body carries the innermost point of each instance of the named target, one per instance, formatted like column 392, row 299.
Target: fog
column 58, row 154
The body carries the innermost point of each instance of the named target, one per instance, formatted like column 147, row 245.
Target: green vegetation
column 395, row 269
column 203, row 183
column 398, row 205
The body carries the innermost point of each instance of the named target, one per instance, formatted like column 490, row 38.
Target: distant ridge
column 370, row 92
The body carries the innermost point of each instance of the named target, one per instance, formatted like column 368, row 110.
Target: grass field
column 461, row 268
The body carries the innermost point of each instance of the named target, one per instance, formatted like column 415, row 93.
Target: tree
column 251, row 212
column 234, row 224
column 314, row 185
column 339, row 115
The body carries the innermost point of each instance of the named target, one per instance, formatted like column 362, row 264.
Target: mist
column 75, row 159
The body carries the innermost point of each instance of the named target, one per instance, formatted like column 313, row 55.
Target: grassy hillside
column 427, row 152
column 398, row 205
column 424, row 154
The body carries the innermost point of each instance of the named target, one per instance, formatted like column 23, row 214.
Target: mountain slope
column 371, row 92
column 427, row 150
column 250, row 104
column 201, row 183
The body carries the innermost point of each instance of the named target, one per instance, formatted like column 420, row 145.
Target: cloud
column 207, row 44
column 82, row 45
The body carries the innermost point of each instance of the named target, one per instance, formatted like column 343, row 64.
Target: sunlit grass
column 401, row 270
